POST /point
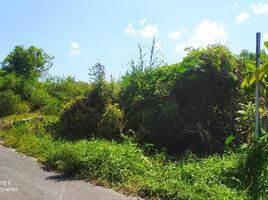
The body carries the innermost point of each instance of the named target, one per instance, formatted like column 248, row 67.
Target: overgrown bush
column 80, row 120
column 251, row 172
column 65, row 89
column 53, row 107
column 144, row 99
column 11, row 104
column 38, row 96
column 61, row 92
column 254, row 168
column 98, row 114
column 111, row 124
column 207, row 101
column 49, row 95
column 9, row 82
column 245, row 122
column 190, row 106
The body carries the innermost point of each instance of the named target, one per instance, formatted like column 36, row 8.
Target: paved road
column 22, row 178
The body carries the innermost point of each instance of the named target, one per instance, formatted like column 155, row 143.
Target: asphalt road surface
column 22, row 178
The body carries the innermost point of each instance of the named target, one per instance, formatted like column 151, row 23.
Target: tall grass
column 125, row 166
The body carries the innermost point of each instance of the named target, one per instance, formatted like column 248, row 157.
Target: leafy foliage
column 97, row 114
column 189, row 106
column 261, row 71
column 97, row 73
column 21, row 72
column 62, row 91
column 11, row 104
column 80, row 120
column 251, row 172
column 245, row 121
column 206, row 101
column 30, row 62
column 111, row 124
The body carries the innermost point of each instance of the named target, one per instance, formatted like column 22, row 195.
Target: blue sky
column 80, row 33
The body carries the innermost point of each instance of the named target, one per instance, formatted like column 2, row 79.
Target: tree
column 31, row 63
column 96, row 73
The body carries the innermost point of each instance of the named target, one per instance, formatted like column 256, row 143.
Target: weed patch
column 124, row 166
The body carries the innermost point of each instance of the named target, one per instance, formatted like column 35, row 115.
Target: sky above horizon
column 80, row 33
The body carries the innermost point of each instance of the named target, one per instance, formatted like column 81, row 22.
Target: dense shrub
column 251, row 172
column 38, row 96
column 11, row 104
column 9, row 82
column 144, row 92
column 65, row 89
column 207, row 101
column 52, row 107
column 21, row 72
column 189, row 106
column 111, row 124
column 30, row 91
column 80, row 120
column 61, row 92
column 244, row 123
column 254, row 171
column 98, row 114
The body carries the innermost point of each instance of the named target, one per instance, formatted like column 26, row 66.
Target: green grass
column 125, row 167
column 20, row 116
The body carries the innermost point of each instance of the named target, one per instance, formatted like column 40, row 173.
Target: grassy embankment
column 125, row 167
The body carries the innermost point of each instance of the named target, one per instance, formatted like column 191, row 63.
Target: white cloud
column 75, row 49
column 265, row 37
column 173, row 35
column 243, row 16
column 143, row 21
column 207, row 32
column 149, row 31
column 131, row 31
column 260, row 8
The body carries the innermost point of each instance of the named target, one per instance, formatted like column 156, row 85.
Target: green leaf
column 266, row 44
column 245, row 82
column 259, row 73
column 229, row 139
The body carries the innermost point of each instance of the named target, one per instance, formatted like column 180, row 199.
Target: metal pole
column 257, row 91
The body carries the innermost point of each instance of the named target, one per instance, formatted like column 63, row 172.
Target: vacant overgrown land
column 180, row 131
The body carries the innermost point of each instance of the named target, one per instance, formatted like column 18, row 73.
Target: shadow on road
column 59, row 178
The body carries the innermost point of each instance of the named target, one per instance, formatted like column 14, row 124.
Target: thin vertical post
column 257, row 90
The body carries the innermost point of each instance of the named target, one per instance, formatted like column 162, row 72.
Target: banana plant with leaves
column 259, row 73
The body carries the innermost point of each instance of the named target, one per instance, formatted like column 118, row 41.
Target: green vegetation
column 261, row 71
column 11, row 103
column 22, row 89
column 181, row 131
column 126, row 167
